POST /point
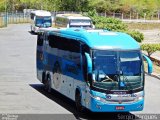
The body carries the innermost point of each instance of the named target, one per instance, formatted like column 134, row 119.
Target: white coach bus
column 73, row 20
column 40, row 19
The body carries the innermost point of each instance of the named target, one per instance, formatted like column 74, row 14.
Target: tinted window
column 68, row 48
column 61, row 21
column 64, row 43
column 40, row 40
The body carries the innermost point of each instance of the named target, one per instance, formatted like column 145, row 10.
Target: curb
column 154, row 75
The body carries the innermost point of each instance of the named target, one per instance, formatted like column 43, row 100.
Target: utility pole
column 5, row 21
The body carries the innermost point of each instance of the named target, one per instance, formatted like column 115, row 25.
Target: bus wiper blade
column 114, row 83
column 125, row 79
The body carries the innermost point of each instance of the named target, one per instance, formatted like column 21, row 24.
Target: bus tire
column 43, row 77
column 31, row 30
column 47, row 84
column 78, row 103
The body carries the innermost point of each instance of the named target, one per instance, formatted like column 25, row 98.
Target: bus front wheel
column 31, row 30
column 79, row 106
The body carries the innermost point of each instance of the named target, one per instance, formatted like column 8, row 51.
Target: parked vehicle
column 73, row 20
column 40, row 19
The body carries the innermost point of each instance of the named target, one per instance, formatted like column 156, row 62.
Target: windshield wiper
column 114, row 83
column 128, row 83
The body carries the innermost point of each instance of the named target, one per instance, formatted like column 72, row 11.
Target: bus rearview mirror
column 89, row 63
column 89, row 69
column 149, row 62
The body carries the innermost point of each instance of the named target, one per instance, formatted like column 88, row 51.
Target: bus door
column 39, row 56
column 86, row 86
column 87, row 76
column 45, row 54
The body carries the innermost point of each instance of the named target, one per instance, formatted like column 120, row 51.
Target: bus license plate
column 119, row 107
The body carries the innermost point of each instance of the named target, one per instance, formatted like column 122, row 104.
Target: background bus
column 40, row 19
column 100, row 70
column 73, row 20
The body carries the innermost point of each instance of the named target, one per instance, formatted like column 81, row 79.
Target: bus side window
column 68, row 48
column 50, row 39
column 40, row 40
column 75, row 49
column 73, row 46
column 53, row 41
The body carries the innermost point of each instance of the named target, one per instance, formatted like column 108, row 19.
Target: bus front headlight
column 98, row 98
column 139, row 98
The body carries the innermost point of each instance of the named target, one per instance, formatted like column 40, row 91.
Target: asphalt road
column 23, row 95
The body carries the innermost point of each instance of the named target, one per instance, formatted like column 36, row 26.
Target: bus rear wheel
column 79, row 106
column 47, row 84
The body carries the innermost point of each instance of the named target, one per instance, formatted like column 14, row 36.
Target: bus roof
column 41, row 13
column 72, row 16
column 99, row 39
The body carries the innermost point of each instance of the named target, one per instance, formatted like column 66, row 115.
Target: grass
column 143, row 26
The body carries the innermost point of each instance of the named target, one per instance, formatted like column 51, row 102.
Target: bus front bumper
column 97, row 106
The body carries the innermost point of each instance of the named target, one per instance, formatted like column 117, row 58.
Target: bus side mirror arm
column 34, row 18
column 89, row 68
column 149, row 62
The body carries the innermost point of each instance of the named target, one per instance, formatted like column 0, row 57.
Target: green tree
column 113, row 24
column 150, row 48
column 108, row 6
column 73, row 5
column 2, row 5
column 139, row 37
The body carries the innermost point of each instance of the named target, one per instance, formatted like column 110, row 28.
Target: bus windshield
column 80, row 23
column 117, row 70
column 43, row 21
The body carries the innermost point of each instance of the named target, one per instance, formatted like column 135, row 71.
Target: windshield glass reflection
column 43, row 21
column 116, row 70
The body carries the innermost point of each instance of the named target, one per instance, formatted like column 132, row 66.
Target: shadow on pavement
column 70, row 106
column 32, row 33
